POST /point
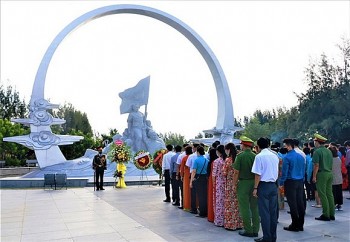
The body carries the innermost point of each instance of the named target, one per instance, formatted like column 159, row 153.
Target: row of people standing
column 233, row 189
column 208, row 187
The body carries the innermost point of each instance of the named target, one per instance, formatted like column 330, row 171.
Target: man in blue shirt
column 293, row 173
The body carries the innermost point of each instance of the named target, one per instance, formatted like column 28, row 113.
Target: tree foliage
column 13, row 154
column 10, row 104
column 173, row 138
column 110, row 135
column 322, row 108
column 75, row 120
column 78, row 149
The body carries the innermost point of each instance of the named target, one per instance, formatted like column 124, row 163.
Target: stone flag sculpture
column 137, row 95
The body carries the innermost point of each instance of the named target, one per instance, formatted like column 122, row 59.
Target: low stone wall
column 16, row 171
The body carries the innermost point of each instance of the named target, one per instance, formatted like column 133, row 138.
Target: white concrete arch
column 225, row 114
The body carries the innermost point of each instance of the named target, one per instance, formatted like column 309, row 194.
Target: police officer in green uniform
column 244, row 179
column 323, row 177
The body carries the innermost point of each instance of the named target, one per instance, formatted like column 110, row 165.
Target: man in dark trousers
column 99, row 164
column 175, row 183
column 293, row 173
column 265, row 168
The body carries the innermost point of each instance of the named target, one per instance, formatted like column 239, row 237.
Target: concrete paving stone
column 114, row 215
column 92, row 230
column 129, row 227
column 84, row 224
column 42, row 213
column 74, row 209
column 136, row 214
column 46, row 236
column 40, row 216
column 63, row 203
column 15, row 238
column 12, row 231
column 78, row 216
column 29, row 210
column 12, row 219
column 62, row 240
column 142, row 234
column 17, row 224
column 34, row 221
column 10, row 213
column 100, row 237
column 32, row 229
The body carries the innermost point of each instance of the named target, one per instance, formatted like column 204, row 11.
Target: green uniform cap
column 320, row 138
column 246, row 141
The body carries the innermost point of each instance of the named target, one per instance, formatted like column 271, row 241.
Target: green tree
column 323, row 107
column 110, row 135
column 13, row 154
column 75, row 120
column 78, row 149
column 254, row 129
column 173, row 138
column 10, row 104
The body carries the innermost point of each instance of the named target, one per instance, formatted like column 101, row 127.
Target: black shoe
column 176, row 204
column 331, row 217
column 97, row 189
column 166, row 200
column 291, row 228
column 246, row 234
column 102, row 188
column 180, row 207
column 260, row 240
column 193, row 212
column 323, row 218
column 200, row 216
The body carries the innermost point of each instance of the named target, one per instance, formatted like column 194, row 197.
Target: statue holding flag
column 136, row 124
column 139, row 133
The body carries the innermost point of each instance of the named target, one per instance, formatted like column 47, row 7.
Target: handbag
column 197, row 175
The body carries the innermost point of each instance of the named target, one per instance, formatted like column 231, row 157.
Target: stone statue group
column 139, row 134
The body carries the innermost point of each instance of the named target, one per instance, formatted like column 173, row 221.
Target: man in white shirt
column 166, row 171
column 265, row 168
column 189, row 163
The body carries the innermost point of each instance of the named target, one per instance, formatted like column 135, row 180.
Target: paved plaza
column 136, row 213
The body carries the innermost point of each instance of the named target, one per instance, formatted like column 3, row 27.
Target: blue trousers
column 267, row 204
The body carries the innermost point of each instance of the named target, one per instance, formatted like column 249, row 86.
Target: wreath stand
column 143, row 175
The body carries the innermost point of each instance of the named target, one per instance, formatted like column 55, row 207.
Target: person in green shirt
column 243, row 180
column 323, row 177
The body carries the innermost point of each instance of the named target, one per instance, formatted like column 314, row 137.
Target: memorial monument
column 46, row 144
column 139, row 134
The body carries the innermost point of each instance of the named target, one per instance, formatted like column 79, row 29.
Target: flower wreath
column 158, row 159
column 142, row 160
column 119, row 152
